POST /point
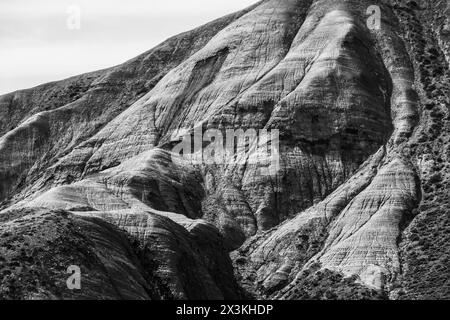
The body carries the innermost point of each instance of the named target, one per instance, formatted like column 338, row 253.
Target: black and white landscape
column 298, row 149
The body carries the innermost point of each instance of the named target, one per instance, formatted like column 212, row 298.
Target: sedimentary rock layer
column 359, row 194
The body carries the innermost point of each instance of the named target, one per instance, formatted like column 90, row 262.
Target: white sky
column 36, row 45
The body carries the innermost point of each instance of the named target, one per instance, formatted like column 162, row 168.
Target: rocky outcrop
column 152, row 258
column 423, row 250
column 38, row 246
column 42, row 126
column 187, row 256
column 352, row 210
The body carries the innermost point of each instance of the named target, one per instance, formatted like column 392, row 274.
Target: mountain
column 356, row 208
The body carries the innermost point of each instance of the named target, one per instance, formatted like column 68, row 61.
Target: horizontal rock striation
column 356, row 208
column 59, row 118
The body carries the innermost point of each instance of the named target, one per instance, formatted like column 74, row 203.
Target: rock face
column 357, row 208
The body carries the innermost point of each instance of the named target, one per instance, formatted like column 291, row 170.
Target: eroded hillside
column 359, row 205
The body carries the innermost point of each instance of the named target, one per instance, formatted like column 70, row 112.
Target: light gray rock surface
column 358, row 208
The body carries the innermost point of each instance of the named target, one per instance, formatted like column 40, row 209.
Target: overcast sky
column 40, row 40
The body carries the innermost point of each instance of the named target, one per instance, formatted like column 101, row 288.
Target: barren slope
column 358, row 209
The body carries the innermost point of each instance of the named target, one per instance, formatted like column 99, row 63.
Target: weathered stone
column 358, row 203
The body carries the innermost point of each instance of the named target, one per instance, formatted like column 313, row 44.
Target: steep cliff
column 357, row 208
